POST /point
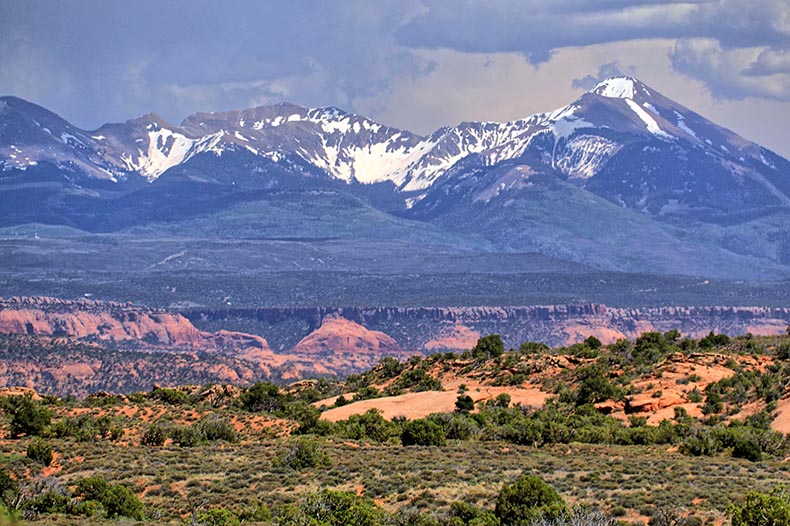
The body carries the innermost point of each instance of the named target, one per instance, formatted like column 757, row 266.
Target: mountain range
column 621, row 179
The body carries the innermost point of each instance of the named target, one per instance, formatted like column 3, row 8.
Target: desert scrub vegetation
column 425, row 482
column 198, row 455
column 300, row 454
column 93, row 497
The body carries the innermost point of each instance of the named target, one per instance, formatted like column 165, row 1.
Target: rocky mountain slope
column 588, row 182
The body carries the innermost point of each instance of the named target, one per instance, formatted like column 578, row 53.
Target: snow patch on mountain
column 681, row 122
column 67, row 137
column 650, row 122
column 584, row 155
column 577, row 140
column 565, row 123
column 165, row 150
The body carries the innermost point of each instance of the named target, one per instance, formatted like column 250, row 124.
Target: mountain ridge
column 209, row 128
column 587, row 182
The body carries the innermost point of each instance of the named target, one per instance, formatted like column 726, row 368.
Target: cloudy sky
column 415, row 64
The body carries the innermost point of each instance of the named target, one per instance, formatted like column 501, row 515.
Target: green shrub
column 650, row 347
column 337, row 508
column 302, row 454
column 9, row 489
column 92, row 488
column 714, row 340
column 465, row 514
column 525, row 500
column 40, row 451
column 304, row 414
column 155, row 435
column 747, row 448
column 170, row 396
column 212, row 428
column 422, row 433
column 86, row 428
column 457, row 426
column 762, row 510
column 117, row 500
column 368, row 426
column 262, row 397
column 695, row 396
column 502, row 400
column 101, row 400
column 592, row 342
column 184, row 436
column 490, row 346
column 122, row 502
column 368, row 393
column 57, row 502
column 700, row 442
column 416, row 380
column 256, row 512
column 594, row 386
column 464, row 403
column 713, row 403
column 28, row 417
column 533, row 348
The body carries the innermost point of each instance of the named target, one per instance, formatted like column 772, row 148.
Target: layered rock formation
column 311, row 342
column 114, row 322
column 337, row 347
column 433, row 328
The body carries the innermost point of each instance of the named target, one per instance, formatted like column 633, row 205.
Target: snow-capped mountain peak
column 620, row 88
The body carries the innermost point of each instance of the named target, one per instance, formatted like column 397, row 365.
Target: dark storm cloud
column 538, row 29
column 97, row 60
column 127, row 59
column 734, row 74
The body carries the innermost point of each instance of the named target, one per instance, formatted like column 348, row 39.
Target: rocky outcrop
column 340, row 344
column 651, row 404
column 339, row 335
column 19, row 391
